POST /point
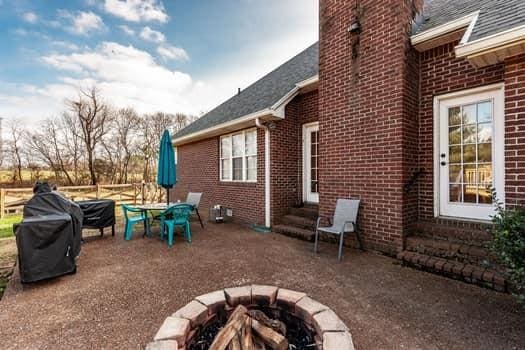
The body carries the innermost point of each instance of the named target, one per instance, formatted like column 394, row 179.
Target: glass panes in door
column 470, row 135
column 314, row 159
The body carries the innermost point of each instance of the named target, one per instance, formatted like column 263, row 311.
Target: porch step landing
column 454, row 249
column 299, row 223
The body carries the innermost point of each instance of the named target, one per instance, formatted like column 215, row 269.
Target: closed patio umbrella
column 166, row 172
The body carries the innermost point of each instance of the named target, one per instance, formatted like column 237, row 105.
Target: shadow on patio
column 123, row 291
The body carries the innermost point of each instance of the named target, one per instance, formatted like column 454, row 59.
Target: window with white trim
column 238, row 156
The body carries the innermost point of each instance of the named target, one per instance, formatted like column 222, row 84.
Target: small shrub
column 508, row 244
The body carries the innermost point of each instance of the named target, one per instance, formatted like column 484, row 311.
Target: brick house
column 415, row 107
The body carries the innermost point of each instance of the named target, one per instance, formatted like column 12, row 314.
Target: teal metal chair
column 176, row 216
column 138, row 217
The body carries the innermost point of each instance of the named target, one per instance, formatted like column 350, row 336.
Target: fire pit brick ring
column 180, row 329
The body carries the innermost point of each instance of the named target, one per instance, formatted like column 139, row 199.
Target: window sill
column 238, row 183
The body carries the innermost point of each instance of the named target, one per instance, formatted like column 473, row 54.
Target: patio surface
column 123, row 291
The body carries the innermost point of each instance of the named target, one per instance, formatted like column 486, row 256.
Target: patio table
column 157, row 207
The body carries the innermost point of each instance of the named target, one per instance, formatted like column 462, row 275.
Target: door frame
column 306, row 156
column 498, row 147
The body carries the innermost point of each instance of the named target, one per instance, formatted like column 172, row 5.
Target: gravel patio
column 123, row 291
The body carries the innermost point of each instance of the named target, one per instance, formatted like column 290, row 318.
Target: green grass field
column 6, row 225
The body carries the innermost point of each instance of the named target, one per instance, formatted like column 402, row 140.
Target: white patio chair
column 344, row 221
column 194, row 199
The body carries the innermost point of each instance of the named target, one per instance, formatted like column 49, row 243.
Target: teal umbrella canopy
column 166, row 172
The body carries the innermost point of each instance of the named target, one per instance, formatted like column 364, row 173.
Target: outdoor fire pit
column 253, row 317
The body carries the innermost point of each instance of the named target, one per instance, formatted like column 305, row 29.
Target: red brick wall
column 515, row 130
column 198, row 171
column 366, row 116
column 441, row 73
column 286, row 153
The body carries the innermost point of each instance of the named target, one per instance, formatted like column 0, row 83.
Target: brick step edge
column 466, row 272
column 299, row 221
column 295, row 232
column 309, row 236
column 448, row 250
column 308, row 213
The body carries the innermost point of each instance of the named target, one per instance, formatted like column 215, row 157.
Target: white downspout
column 258, row 123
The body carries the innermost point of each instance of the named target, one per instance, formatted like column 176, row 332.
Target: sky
column 171, row 56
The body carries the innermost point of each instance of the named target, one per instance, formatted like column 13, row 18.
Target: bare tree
column 92, row 115
column 16, row 133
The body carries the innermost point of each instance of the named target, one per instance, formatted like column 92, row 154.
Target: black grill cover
column 98, row 213
column 45, row 247
column 53, row 203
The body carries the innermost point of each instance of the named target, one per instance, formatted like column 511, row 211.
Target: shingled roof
column 262, row 94
column 494, row 15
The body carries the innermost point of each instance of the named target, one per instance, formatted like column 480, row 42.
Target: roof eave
column 493, row 48
column 275, row 112
column 460, row 28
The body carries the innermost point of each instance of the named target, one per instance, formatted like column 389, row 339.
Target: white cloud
column 83, row 23
column 154, row 36
column 30, row 17
column 65, row 45
column 127, row 29
column 126, row 76
column 137, row 10
column 173, row 53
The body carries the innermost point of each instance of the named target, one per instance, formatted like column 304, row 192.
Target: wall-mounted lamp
column 355, row 27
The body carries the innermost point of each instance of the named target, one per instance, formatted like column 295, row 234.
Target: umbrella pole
column 168, row 196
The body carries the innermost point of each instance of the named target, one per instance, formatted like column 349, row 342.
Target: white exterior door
column 311, row 162
column 470, row 153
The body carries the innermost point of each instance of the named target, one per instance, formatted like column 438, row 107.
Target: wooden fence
column 12, row 200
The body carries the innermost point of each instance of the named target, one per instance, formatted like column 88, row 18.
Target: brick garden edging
column 179, row 328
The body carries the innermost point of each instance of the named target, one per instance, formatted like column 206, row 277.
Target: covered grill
column 48, row 239
column 98, row 214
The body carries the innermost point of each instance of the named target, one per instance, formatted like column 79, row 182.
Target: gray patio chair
column 344, row 221
column 194, row 199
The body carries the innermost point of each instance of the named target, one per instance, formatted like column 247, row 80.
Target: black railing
column 415, row 176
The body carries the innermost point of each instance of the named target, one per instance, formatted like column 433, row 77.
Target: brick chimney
column 368, row 95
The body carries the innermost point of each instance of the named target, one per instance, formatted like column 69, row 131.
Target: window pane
column 454, row 154
column 485, row 152
column 454, row 135
column 484, row 195
column 251, row 170
column 225, row 163
column 454, row 116
column 484, row 112
column 455, row 193
column 251, row 143
column 469, row 114
column 454, row 173
column 469, row 133
column 485, row 132
column 485, row 174
column 237, row 168
column 469, row 153
column 225, row 147
column 470, row 193
column 469, row 173
column 238, row 145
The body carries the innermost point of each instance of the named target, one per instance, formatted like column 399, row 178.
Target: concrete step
column 461, row 232
column 469, row 273
column 465, row 253
column 305, row 212
column 295, row 232
column 299, row 221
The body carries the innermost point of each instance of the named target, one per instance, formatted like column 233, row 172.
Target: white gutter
column 267, row 212
column 449, row 27
column 491, row 42
column 277, row 111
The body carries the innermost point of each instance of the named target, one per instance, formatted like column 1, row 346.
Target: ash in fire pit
column 252, row 318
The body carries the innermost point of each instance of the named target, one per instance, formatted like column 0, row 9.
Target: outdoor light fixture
column 355, row 27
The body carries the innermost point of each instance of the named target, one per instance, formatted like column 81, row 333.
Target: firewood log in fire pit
column 250, row 330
